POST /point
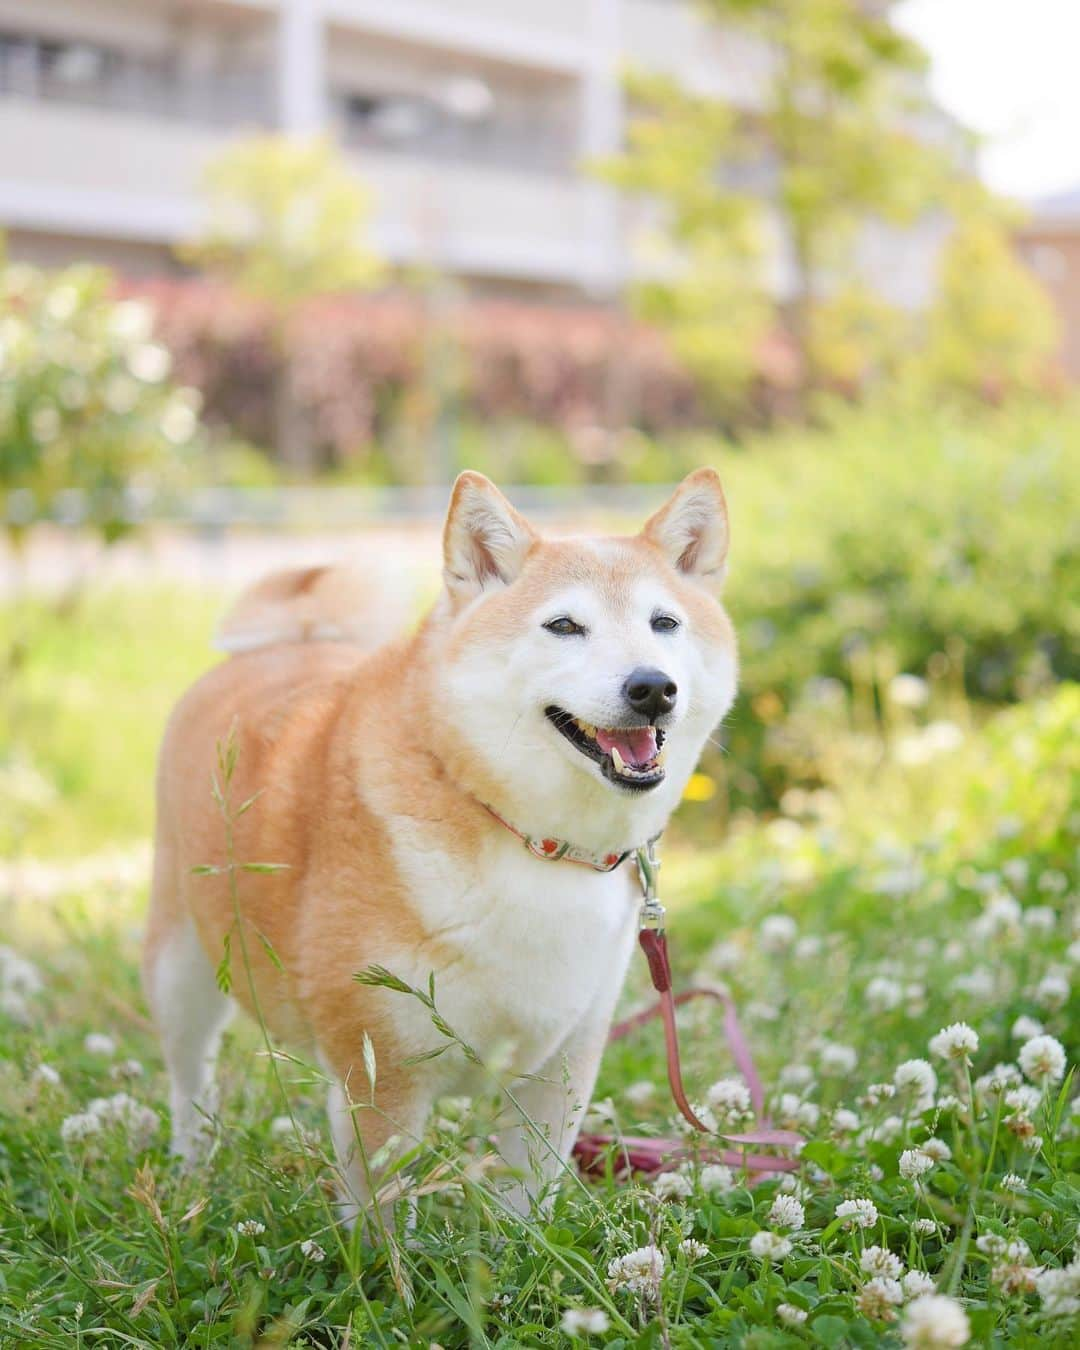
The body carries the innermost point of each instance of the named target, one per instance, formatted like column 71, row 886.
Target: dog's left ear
column 691, row 529
column 485, row 540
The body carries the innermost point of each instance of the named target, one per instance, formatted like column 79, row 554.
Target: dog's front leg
column 366, row 1142
column 536, row 1143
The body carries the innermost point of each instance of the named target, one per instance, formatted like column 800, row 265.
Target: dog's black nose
column 650, row 692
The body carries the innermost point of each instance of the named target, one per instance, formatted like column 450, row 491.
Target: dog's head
column 578, row 678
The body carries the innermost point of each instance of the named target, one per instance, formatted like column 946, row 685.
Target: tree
column 286, row 222
column 833, row 141
column 992, row 329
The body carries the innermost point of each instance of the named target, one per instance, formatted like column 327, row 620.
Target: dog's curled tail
column 329, row 603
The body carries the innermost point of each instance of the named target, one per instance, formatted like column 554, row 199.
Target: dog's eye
column 564, row 627
column 664, row 623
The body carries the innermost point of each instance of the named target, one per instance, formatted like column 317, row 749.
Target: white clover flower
column 1023, row 1099
column 978, row 984
column 924, row 1227
column 777, row 933
column 18, row 974
column 917, row 1282
column 724, row 956
column 729, row 1099
column 936, row 1149
column 956, row 1042
column 908, row 691
column 98, row 1043
column 880, row 1261
column 1024, row 1028
column 787, row 1212
column 878, row 1297
column 672, row 1186
column 1001, row 914
column 139, row 1123
column 875, row 1173
column 916, row 1078
column 250, row 1228
column 934, row 1322
column 997, row 1080
column 914, row 1163
column 1040, row 918
column 1053, row 882
column 883, row 994
column 1059, row 1289
column 1043, row 1059
column 991, row 1244
column 74, row 1129
column 1052, row 991
column 14, row 1006
column 704, row 1113
column 1072, row 952
column 857, row 1213
column 790, row 1315
column 886, row 1131
column 639, row 1271
column 1015, row 871
column 716, row 1179
column 796, row 1114
column 1012, row 1181
column 844, row 1121
column 877, row 1093
column 1032, row 1142
column 768, row 1246
column 45, row 1073
column 126, row 1069
column 693, row 1250
column 640, row 1093
column 837, row 1059
column 585, row 1321
column 311, row 1249
column 796, row 1075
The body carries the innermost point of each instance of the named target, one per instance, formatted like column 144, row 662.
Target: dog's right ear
column 485, row 541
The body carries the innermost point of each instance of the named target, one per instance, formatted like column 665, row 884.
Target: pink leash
column 650, row 1155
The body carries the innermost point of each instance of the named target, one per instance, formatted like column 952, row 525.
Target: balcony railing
column 542, row 142
column 89, row 75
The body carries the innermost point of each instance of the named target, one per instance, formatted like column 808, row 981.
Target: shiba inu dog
column 458, row 803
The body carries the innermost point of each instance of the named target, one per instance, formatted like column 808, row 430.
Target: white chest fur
column 529, row 948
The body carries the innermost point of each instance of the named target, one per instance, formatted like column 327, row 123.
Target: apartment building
column 470, row 119
column 1049, row 242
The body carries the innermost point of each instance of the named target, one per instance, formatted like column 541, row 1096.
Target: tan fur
column 330, row 603
column 338, row 742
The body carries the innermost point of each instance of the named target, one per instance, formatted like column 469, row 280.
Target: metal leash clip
column 648, row 866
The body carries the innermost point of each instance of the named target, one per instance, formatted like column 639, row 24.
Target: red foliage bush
column 358, row 365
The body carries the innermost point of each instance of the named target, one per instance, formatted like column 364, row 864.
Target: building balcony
column 99, row 172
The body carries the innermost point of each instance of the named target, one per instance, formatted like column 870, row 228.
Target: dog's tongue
column 636, row 745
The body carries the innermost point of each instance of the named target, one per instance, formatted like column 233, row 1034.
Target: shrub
column 86, row 404
column 900, row 541
column 363, row 370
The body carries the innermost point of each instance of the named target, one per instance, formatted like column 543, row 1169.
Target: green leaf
column 828, row 1330
column 269, row 949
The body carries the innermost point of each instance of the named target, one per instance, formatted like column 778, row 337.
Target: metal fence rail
column 321, row 508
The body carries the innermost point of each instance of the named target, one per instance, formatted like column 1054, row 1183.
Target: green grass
column 105, row 1242
column 83, row 707
column 923, row 854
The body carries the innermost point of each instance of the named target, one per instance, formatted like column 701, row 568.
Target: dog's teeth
column 661, row 755
column 617, row 760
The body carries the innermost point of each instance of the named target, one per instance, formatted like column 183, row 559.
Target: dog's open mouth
column 632, row 757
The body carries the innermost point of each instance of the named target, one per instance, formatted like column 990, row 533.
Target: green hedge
column 902, row 540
